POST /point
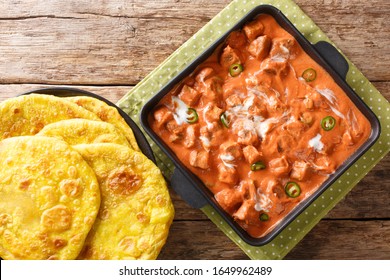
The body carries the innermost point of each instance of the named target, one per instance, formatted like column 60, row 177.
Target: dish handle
column 184, row 188
column 333, row 57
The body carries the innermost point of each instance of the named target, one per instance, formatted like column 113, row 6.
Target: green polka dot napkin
column 287, row 239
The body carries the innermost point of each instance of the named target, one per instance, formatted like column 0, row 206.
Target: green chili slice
column 235, row 69
column 257, row 166
column 192, row 115
column 264, row 217
column 328, row 123
column 224, row 120
column 309, row 75
column 292, row 189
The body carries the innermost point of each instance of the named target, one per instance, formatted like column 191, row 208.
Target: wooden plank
column 105, row 43
column 344, row 239
column 206, row 242
column 369, row 199
column 114, row 93
column 330, row 239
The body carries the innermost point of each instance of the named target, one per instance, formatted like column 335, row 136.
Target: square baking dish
column 193, row 190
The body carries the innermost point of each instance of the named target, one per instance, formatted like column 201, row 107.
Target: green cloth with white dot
column 288, row 238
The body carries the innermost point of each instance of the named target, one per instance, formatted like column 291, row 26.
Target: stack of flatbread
column 74, row 184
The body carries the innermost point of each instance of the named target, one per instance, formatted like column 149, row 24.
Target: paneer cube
column 236, row 40
column 162, row 115
column 247, row 137
column 212, row 90
column 245, row 131
column 255, row 106
column 233, row 100
column 324, row 164
column 309, row 104
column 296, row 128
column 259, row 48
column 227, row 175
column 285, row 142
column 275, row 67
column 251, row 154
column 281, row 206
column 247, row 213
column 247, row 189
column 282, row 48
column 231, row 148
column 347, row 139
column 229, row 199
column 204, row 74
column 212, row 113
column 176, row 130
column 174, row 127
column 189, row 95
column 253, row 29
column 190, row 135
column 228, row 57
column 299, row 170
column 175, row 137
column 279, row 166
column 200, row 159
column 211, row 135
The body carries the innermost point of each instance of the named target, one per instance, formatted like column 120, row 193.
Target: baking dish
column 194, row 191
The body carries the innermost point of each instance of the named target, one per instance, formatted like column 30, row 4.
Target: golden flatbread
column 49, row 199
column 108, row 114
column 28, row 114
column 136, row 210
column 81, row 131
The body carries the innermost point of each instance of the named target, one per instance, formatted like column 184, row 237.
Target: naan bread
column 136, row 210
column 81, row 131
column 28, row 114
column 108, row 114
column 49, row 199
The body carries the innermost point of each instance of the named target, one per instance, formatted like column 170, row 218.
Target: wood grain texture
column 107, row 47
column 371, row 241
column 104, row 43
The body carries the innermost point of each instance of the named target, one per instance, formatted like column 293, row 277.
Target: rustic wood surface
column 108, row 46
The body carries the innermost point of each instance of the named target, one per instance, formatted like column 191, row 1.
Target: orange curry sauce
column 272, row 118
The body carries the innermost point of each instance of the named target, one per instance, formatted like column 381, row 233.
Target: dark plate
column 67, row 92
column 191, row 189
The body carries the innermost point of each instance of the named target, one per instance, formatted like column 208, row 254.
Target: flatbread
column 81, row 131
column 108, row 114
column 136, row 210
column 49, row 199
column 28, row 114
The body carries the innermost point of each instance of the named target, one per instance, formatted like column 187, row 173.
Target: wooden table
column 108, row 46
